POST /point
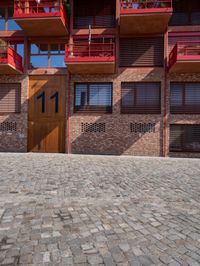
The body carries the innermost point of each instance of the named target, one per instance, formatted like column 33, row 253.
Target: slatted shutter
column 98, row 14
column 185, row 138
column 141, row 51
column 10, row 98
column 185, row 98
column 140, row 98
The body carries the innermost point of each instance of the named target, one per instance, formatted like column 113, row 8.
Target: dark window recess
column 141, row 52
column 185, row 138
column 93, row 127
column 142, row 128
column 98, row 14
column 10, row 98
column 8, row 127
column 140, row 98
column 185, row 98
column 185, row 13
column 93, row 97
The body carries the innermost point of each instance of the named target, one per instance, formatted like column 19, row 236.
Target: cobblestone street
column 99, row 210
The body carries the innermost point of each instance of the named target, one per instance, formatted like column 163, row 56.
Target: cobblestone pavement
column 98, row 210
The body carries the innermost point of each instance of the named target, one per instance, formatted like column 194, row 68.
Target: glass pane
column 54, row 49
column 100, row 94
column 147, row 94
column 81, row 95
column 20, row 49
column 192, row 94
column 34, row 49
column 176, row 94
column 2, row 19
column 43, row 48
column 39, row 61
column 57, row 61
column 128, row 97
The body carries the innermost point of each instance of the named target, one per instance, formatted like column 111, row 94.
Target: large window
column 97, row 14
column 185, row 12
column 10, row 98
column 141, row 52
column 6, row 19
column 94, row 97
column 185, row 98
column 185, row 138
column 140, row 98
column 47, row 55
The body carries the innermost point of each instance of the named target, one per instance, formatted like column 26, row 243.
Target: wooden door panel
column 47, row 109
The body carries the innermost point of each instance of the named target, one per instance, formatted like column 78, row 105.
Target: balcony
column 144, row 16
column 47, row 18
column 90, row 58
column 10, row 61
column 185, row 57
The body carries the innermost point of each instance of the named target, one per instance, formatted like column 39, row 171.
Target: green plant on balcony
column 3, row 48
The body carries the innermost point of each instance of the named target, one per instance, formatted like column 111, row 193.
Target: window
column 140, row 98
column 10, row 98
column 185, row 138
column 93, row 97
column 185, row 98
column 185, row 13
column 6, row 19
column 141, row 52
column 47, row 55
column 98, row 14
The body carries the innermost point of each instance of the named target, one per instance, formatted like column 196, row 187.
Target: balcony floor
column 7, row 69
column 185, row 67
column 47, row 26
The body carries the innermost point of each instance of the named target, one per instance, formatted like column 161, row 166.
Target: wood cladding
column 141, row 51
column 47, row 109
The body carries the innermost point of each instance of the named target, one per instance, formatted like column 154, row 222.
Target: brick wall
column 15, row 141
column 117, row 138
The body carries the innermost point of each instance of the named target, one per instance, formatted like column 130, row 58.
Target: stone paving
column 99, row 210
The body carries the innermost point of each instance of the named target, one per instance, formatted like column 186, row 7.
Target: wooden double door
column 46, row 115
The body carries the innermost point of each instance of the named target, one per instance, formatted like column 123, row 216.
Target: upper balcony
column 41, row 18
column 10, row 61
column 144, row 16
column 90, row 58
column 185, row 57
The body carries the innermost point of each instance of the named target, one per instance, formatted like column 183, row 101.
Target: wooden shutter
column 185, row 138
column 10, row 98
column 141, row 98
column 141, row 51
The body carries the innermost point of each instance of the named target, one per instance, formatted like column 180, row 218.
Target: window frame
column 89, row 109
column 49, row 54
column 141, row 112
column 182, row 148
column 183, row 109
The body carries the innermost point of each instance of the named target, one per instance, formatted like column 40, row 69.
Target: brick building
column 100, row 77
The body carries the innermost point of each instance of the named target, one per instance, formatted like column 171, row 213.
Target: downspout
column 69, row 114
column 165, row 97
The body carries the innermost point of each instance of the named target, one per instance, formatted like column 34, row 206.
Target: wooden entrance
column 46, row 115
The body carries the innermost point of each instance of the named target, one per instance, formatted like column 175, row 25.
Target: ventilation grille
column 93, row 127
column 142, row 127
column 8, row 127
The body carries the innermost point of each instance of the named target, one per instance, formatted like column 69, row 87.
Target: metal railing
column 90, row 51
column 33, row 8
column 185, row 50
column 9, row 56
column 145, row 4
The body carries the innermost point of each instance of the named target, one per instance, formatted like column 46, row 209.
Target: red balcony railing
column 185, row 51
column 93, row 52
column 33, row 9
column 145, row 6
column 8, row 56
